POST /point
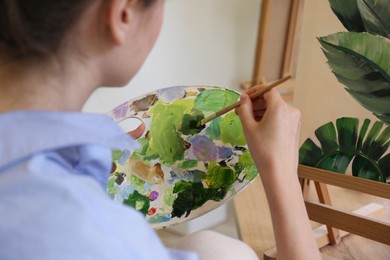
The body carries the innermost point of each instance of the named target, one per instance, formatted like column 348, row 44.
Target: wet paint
column 165, row 140
column 191, row 123
column 220, row 176
column 204, row 149
column 143, row 104
column 215, row 99
column 146, row 171
column 181, row 171
column 213, row 131
column 231, row 130
column 191, row 196
column 138, row 201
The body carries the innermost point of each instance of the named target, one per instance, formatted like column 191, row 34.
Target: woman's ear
column 119, row 18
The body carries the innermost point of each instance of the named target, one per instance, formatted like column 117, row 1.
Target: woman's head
column 38, row 29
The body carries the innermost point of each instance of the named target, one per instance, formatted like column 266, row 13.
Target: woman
column 55, row 160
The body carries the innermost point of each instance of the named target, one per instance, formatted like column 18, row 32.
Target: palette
column 181, row 171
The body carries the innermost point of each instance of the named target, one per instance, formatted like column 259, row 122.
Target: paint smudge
column 247, row 166
column 191, row 123
column 179, row 167
column 121, row 111
column 225, row 152
column 204, row 149
column 220, row 176
column 138, row 201
column 231, row 130
column 153, row 195
column 215, row 99
column 169, row 95
column 192, row 195
column 144, row 103
column 165, row 141
column 146, row 172
column 213, row 131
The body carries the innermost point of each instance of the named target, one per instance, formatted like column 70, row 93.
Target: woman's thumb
column 245, row 110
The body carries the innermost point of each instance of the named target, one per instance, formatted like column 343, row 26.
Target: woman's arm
column 271, row 128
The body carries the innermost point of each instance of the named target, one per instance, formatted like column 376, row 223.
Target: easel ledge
column 356, row 222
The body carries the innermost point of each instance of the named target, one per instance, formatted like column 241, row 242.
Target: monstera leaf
column 343, row 144
column 361, row 62
column 349, row 15
column 375, row 15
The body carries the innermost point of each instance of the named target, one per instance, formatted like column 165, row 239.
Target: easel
column 335, row 219
column 338, row 223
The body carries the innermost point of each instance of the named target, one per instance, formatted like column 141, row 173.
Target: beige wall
column 318, row 94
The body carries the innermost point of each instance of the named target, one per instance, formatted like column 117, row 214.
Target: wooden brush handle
column 253, row 96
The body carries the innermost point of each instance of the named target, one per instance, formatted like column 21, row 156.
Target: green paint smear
column 188, row 164
column 137, row 183
column 214, row 129
column 141, row 153
column 168, row 197
column 138, row 201
column 110, row 186
column 165, row 141
column 231, row 130
column 191, row 123
column 213, row 100
column 199, row 175
column 192, row 195
column 116, row 154
column 220, row 176
column 247, row 165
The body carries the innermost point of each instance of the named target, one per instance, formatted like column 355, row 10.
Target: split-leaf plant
column 346, row 145
column 360, row 60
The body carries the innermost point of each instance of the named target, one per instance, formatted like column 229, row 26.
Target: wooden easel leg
column 305, row 186
column 323, row 197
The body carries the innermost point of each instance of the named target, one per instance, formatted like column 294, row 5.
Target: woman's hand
column 271, row 128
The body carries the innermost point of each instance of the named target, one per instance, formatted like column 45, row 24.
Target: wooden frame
column 277, row 42
column 336, row 218
column 339, row 222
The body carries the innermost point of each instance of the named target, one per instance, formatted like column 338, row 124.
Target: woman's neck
column 54, row 86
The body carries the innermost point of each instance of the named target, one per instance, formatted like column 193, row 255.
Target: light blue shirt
column 53, row 173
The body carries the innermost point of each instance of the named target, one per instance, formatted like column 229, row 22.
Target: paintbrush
column 252, row 96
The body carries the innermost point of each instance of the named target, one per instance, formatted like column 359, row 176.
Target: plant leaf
column 348, row 13
column 326, row 134
column 339, row 148
column 310, row 153
column 361, row 61
column 337, row 162
column 347, row 129
column 362, row 134
column 384, row 165
column 375, row 15
column 365, row 168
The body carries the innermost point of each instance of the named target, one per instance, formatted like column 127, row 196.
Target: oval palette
column 182, row 170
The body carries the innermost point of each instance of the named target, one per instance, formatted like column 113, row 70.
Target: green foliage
column 343, row 144
column 360, row 59
column 348, row 13
column 138, row 201
column 192, row 195
column 375, row 15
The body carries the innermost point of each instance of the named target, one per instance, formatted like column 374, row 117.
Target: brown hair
column 36, row 28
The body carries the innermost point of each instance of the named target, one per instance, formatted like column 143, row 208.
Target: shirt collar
column 24, row 133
